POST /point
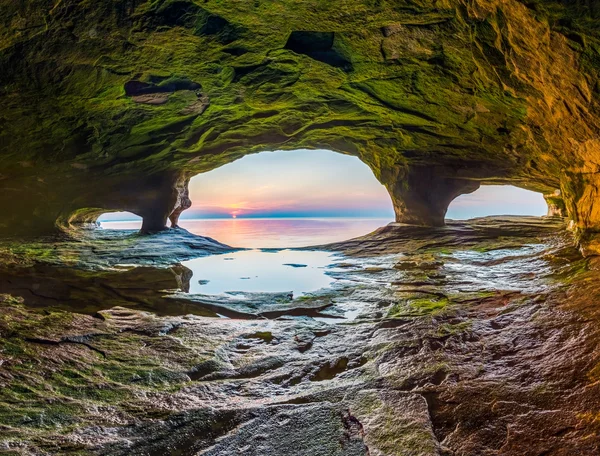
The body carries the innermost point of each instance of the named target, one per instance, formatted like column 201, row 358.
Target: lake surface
column 273, row 233
column 256, row 271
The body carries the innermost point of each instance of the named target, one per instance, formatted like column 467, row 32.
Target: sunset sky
column 318, row 183
column 497, row 200
column 290, row 184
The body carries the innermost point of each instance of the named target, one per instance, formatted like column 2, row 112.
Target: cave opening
column 497, row 200
column 311, row 197
column 120, row 220
column 281, row 199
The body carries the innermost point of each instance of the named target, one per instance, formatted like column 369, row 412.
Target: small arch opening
column 287, row 199
column 120, row 221
column 490, row 200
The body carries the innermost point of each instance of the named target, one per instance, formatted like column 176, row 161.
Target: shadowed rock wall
column 114, row 105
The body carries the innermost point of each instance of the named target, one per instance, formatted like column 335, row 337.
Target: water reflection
column 273, row 233
column 259, row 271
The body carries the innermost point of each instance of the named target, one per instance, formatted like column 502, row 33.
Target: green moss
column 48, row 389
column 428, row 84
column 448, row 329
column 415, row 307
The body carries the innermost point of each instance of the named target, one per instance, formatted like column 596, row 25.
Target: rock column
column 422, row 195
column 159, row 201
column 581, row 193
column 183, row 201
column 556, row 204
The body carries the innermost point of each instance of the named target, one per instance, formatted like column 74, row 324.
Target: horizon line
column 264, row 218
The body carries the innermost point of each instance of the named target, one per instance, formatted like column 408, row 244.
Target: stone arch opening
column 386, row 93
column 420, row 194
column 154, row 197
column 495, row 200
column 120, row 220
column 296, row 184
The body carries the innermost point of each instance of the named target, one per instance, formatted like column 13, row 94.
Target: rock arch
column 114, row 105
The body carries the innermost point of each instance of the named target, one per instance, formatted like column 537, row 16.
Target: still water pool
column 260, row 271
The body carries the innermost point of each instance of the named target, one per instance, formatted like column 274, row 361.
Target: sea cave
column 293, row 228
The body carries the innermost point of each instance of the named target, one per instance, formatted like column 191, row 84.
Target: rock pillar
column 160, row 199
column 183, row 201
column 422, row 195
column 556, row 204
column 581, row 193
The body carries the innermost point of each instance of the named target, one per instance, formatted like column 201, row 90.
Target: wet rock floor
column 480, row 338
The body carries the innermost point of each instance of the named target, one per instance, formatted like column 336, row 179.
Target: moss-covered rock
column 114, row 105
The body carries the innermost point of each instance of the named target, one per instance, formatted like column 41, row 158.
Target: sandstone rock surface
column 482, row 347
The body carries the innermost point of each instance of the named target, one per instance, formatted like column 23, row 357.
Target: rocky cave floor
column 477, row 339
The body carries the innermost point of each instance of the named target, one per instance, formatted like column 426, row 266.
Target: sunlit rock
column 556, row 205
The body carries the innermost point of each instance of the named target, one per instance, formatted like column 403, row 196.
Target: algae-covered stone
column 113, row 105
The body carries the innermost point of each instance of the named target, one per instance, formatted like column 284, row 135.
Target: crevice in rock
column 318, row 46
column 440, row 424
column 353, row 429
column 136, row 87
column 78, row 340
column 187, row 14
column 330, row 370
